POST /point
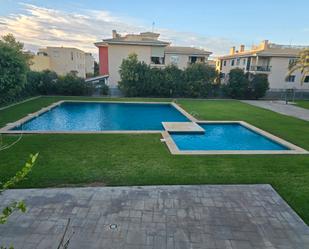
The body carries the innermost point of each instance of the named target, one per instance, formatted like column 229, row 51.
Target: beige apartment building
column 148, row 48
column 267, row 58
column 63, row 60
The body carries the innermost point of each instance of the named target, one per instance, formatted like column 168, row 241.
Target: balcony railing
column 260, row 68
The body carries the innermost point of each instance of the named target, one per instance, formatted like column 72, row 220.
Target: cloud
column 39, row 27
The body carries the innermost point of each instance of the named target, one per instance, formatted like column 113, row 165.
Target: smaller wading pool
column 224, row 137
column 227, row 137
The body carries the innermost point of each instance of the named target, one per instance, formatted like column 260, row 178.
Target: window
column 157, row 60
column 174, row 59
column 244, row 61
column 292, row 61
column 72, row 56
column 232, row 62
column 192, row 59
column 306, row 79
column 290, row 78
column 224, row 63
column 238, row 61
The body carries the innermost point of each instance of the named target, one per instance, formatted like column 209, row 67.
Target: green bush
column 73, row 86
column 237, row 85
column 259, row 85
column 199, row 80
column 42, row 83
column 245, row 86
column 104, row 89
column 139, row 79
column 49, row 83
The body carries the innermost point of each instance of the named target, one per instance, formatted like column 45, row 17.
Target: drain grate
column 113, row 226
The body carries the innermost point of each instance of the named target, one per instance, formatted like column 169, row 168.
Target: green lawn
column 303, row 103
column 114, row 159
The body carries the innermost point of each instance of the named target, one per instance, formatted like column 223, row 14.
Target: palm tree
column 302, row 64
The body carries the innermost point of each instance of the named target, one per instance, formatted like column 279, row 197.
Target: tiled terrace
column 205, row 216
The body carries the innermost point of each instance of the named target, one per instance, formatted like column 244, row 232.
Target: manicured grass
column 303, row 103
column 115, row 159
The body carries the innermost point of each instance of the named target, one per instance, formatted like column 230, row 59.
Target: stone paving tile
column 155, row 217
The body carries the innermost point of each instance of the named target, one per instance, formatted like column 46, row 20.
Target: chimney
column 264, row 44
column 242, row 48
column 114, row 32
column 232, row 50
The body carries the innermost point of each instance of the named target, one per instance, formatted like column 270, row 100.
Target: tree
column 259, row 85
column 302, row 64
column 237, row 85
column 199, row 79
column 133, row 75
column 14, row 65
column 174, row 83
column 96, row 69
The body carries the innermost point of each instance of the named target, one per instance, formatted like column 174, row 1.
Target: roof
column 186, row 50
column 142, row 43
column 67, row 48
column 145, row 39
column 275, row 51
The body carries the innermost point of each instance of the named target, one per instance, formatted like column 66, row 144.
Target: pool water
column 77, row 116
column 224, row 137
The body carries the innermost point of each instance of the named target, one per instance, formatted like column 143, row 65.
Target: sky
column 212, row 25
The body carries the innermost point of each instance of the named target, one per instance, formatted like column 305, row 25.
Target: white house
column 268, row 58
column 148, row 48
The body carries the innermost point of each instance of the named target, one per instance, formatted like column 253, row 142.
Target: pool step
column 183, row 127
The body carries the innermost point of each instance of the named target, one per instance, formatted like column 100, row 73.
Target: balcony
column 152, row 65
column 260, row 68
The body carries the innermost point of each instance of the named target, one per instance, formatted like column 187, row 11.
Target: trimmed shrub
column 237, row 85
column 73, row 86
column 139, row 79
column 259, row 85
column 49, row 83
column 245, row 86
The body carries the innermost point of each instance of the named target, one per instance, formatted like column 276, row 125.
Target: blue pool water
column 225, row 137
column 79, row 116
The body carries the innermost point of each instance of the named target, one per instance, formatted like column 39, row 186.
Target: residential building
column 89, row 64
column 148, row 48
column 267, row 58
column 184, row 56
column 63, row 60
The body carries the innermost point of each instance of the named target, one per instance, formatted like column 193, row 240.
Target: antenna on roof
column 153, row 25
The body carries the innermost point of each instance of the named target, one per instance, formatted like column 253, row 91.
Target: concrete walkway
column 281, row 107
column 163, row 217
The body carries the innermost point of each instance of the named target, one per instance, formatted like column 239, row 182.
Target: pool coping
column 293, row 149
column 7, row 128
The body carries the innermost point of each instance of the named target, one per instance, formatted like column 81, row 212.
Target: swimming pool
column 104, row 116
column 181, row 132
column 228, row 136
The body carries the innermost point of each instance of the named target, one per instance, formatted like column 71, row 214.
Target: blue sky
column 213, row 25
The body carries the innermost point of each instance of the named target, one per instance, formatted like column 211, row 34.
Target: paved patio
column 281, row 107
column 206, row 216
